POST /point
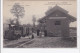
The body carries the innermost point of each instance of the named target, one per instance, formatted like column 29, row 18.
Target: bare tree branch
column 18, row 11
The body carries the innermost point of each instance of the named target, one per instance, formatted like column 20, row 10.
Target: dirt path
column 51, row 42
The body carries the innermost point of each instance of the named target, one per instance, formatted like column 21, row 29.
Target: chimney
column 9, row 26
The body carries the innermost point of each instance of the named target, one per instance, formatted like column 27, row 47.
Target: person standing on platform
column 45, row 33
column 38, row 32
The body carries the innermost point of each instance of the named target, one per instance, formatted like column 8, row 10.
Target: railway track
column 20, row 44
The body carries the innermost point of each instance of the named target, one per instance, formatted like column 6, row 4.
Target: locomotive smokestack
column 9, row 26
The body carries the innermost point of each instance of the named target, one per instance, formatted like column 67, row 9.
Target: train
column 16, row 32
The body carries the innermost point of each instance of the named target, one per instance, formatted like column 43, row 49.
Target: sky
column 37, row 8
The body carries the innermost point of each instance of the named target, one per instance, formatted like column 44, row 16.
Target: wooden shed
column 56, row 22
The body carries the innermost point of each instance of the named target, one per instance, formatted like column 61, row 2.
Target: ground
column 50, row 42
column 44, row 42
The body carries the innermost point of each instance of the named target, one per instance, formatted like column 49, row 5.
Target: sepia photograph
column 39, row 24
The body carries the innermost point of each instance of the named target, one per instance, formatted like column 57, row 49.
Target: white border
column 78, row 24
column 1, row 24
column 42, row 50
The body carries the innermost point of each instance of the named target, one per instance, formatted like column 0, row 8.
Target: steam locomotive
column 16, row 32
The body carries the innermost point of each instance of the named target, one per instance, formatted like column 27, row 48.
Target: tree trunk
column 17, row 20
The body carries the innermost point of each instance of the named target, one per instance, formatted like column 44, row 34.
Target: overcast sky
column 37, row 8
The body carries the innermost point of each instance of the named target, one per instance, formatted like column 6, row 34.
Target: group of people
column 38, row 33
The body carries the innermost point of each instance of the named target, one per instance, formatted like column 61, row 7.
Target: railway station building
column 56, row 22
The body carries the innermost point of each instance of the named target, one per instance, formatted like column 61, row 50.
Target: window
column 57, row 23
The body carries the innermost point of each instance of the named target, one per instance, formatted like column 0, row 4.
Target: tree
column 18, row 11
column 34, row 20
